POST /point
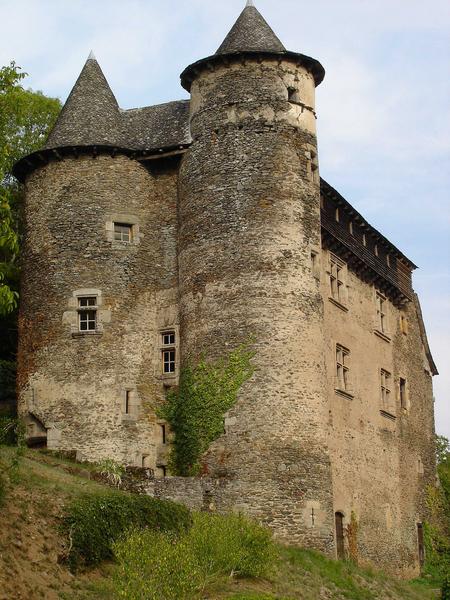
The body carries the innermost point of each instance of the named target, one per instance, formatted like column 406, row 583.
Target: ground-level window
column 340, row 545
column 87, row 313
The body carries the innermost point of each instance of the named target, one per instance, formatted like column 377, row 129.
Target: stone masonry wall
column 381, row 464
column 249, row 217
column 74, row 384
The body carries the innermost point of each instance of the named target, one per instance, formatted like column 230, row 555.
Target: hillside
column 31, row 546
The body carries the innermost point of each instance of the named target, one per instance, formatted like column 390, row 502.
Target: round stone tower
column 98, row 285
column 249, row 238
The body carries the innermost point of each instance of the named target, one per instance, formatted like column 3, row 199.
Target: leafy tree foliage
column 25, row 120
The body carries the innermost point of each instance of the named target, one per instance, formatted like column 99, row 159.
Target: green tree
column 26, row 117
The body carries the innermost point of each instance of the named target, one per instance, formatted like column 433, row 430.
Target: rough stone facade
column 230, row 236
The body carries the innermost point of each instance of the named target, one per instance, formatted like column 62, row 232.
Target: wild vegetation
column 195, row 409
column 216, row 558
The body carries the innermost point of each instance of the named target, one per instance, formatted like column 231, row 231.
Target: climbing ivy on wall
column 195, row 410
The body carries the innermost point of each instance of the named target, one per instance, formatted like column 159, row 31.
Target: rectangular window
column 337, row 279
column 122, row 232
column 364, row 239
column 169, row 361
column 342, row 368
column 375, row 249
column 168, row 352
column 336, row 214
column 381, row 313
column 386, row 396
column 87, row 313
column 163, row 434
column 350, row 227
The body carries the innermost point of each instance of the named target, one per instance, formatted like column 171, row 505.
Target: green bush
column 154, row 566
column 94, row 522
column 232, row 544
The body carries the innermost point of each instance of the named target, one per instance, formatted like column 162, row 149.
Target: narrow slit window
column 421, row 544
column 340, row 535
column 403, row 398
column 87, row 313
column 381, row 313
column 386, row 396
column 163, row 434
column 350, row 227
column 128, row 402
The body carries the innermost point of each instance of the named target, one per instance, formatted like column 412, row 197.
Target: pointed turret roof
column 91, row 114
column 251, row 37
column 251, row 33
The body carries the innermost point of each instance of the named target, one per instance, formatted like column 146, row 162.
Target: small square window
column 123, row 232
column 168, row 338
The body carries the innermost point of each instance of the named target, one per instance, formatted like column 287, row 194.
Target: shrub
column 93, row 522
column 157, row 566
column 231, row 544
column 112, row 471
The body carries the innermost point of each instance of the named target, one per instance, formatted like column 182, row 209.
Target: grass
column 299, row 574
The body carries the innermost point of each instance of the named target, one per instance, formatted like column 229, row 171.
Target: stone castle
column 155, row 235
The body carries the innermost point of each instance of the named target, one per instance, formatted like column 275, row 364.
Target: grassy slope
column 30, row 545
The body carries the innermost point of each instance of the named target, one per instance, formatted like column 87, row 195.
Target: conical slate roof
column 90, row 115
column 251, row 33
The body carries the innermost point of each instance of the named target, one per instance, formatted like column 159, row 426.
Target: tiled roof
column 91, row 116
column 251, row 33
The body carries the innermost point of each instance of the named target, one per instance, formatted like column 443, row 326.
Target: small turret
column 90, row 115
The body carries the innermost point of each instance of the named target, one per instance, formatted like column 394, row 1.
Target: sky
column 383, row 108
